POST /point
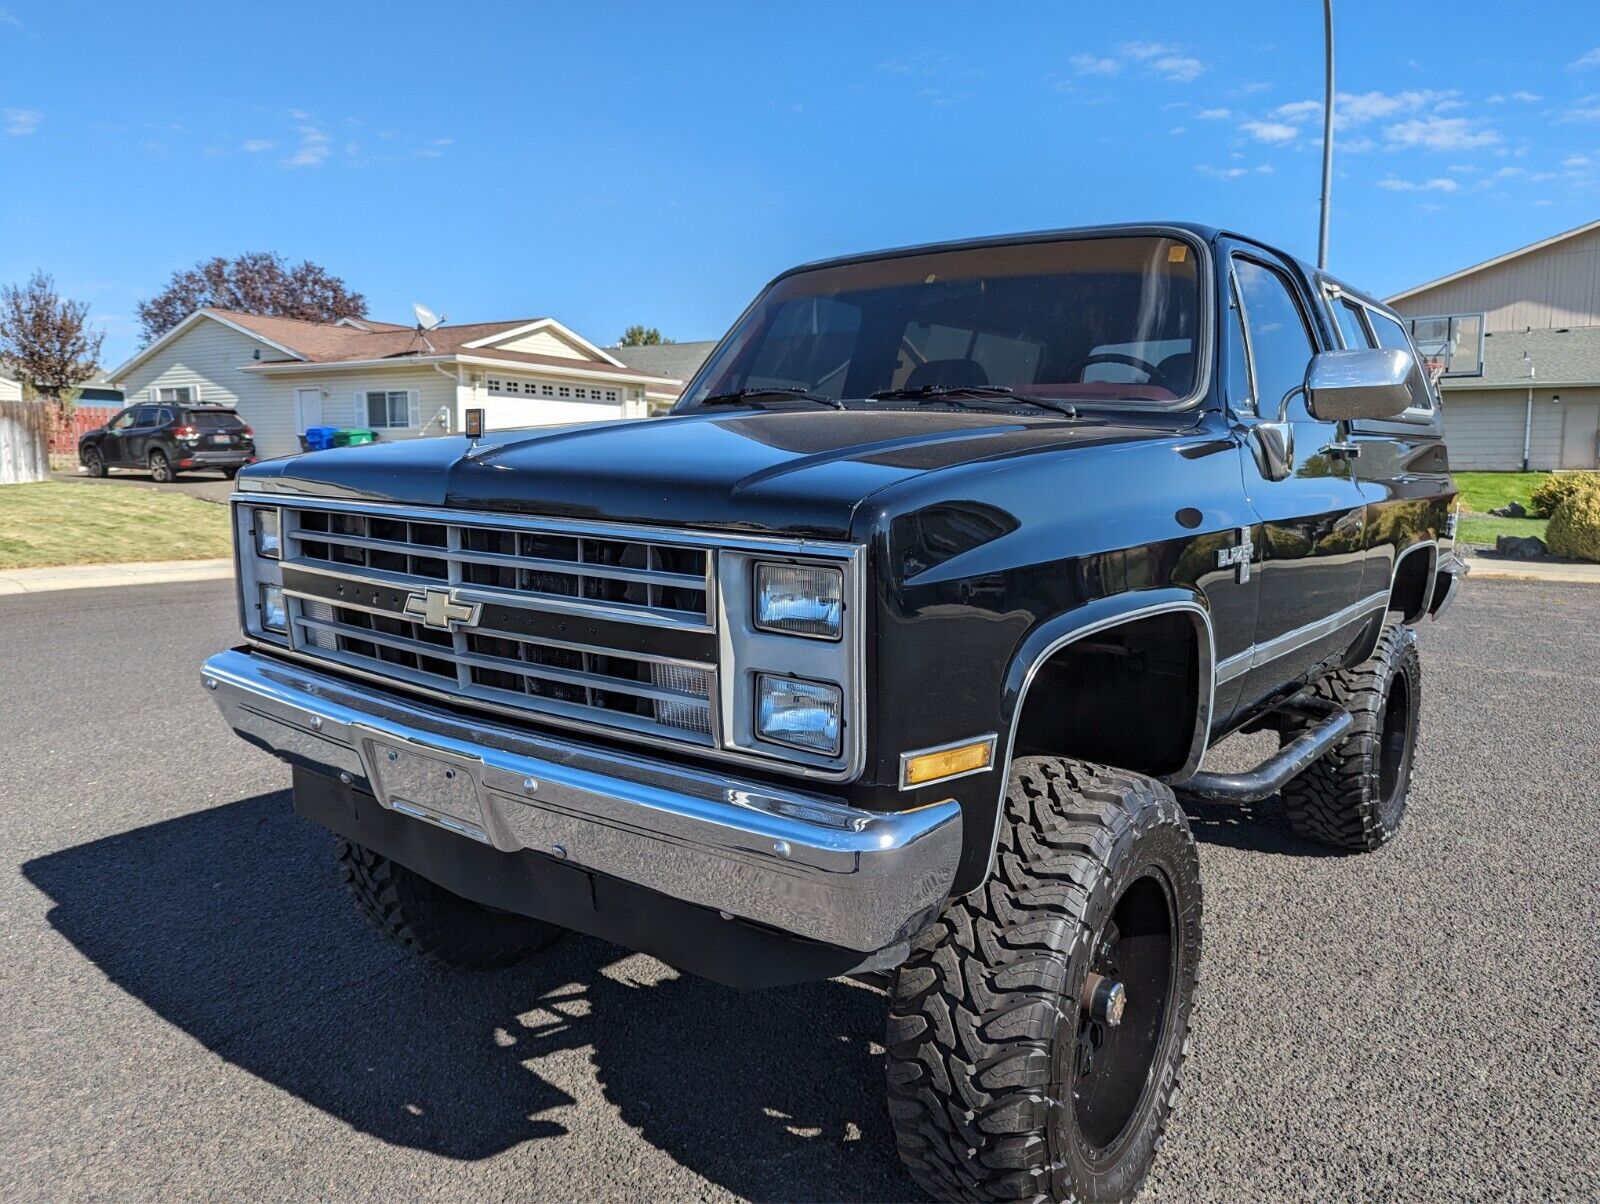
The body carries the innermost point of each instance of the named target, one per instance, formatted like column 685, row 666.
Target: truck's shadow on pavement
column 232, row 925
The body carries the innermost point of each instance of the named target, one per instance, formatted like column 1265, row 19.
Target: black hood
column 781, row 471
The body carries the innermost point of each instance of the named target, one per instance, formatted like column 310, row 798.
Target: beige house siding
column 1484, row 428
column 541, row 342
column 344, row 399
column 209, row 357
column 1556, row 286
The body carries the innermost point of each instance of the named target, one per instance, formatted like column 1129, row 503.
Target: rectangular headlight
column 268, row 541
column 800, row 599
column 801, row 714
column 274, row 611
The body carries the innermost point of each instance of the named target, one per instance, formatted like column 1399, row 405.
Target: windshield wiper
column 739, row 395
column 953, row 392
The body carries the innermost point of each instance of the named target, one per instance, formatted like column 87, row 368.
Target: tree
column 45, row 339
column 640, row 336
column 257, row 282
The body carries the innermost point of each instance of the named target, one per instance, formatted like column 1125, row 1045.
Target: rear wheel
column 1038, row 1030
column 427, row 919
column 1355, row 797
column 161, row 468
column 230, row 473
column 94, row 464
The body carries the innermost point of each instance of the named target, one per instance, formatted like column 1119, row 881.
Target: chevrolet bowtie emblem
column 438, row 608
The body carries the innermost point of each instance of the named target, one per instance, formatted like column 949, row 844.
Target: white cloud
column 10, row 18
column 1584, row 110
column 1147, row 50
column 1275, row 132
column 1590, row 58
column 21, row 122
column 1222, row 173
column 1437, row 184
column 313, row 148
column 1178, row 129
column 1575, row 162
column 256, row 145
column 1528, row 98
column 1214, row 114
column 1298, row 110
column 1088, row 64
column 1180, row 69
column 1439, row 133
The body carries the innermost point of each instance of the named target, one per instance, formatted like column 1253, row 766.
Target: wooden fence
column 24, row 442
column 64, row 432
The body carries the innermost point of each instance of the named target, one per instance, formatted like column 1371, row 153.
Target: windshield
column 215, row 420
column 1105, row 319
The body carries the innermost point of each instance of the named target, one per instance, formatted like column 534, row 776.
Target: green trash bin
column 353, row 436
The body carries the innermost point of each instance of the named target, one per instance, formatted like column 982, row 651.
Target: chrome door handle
column 1343, row 451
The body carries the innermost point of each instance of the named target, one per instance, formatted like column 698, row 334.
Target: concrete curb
column 1483, row 569
column 99, row 576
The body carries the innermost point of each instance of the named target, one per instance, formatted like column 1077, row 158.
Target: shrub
column 1559, row 486
column 1574, row 530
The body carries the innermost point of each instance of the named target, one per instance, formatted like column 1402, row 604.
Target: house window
column 611, row 394
column 388, row 408
column 564, row 391
column 179, row 393
column 547, row 390
column 494, row 386
column 529, row 388
column 581, row 394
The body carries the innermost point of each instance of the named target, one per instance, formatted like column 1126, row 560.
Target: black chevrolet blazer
column 893, row 650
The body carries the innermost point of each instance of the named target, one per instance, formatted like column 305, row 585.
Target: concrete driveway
column 209, row 486
column 193, row 1010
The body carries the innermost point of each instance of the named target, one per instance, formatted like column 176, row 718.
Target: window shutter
column 414, row 406
column 358, row 412
column 150, row 393
column 194, row 393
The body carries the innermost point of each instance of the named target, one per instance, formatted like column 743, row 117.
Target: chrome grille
column 362, row 563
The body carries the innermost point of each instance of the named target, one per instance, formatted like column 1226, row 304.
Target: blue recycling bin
column 320, row 438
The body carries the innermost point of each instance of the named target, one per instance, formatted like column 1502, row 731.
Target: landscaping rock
column 1522, row 547
column 1510, row 510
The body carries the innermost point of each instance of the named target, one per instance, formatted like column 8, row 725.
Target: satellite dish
column 426, row 318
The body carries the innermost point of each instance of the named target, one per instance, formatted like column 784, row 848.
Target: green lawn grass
column 1485, row 530
column 1482, row 492
column 59, row 522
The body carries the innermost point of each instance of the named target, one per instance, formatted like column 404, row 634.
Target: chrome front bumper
column 798, row 862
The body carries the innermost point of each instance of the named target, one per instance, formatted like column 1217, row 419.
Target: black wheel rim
column 1394, row 749
column 1112, row 1071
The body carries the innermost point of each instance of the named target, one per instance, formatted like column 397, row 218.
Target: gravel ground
column 193, row 1010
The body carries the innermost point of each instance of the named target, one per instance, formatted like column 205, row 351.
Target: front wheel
column 1355, row 797
column 94, row 464
column 1038, row 1030
column 427, row 919
column 161, row 468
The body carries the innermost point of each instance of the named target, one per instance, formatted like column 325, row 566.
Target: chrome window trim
column 989, row 738
column 1205, row 705
column 845, row 767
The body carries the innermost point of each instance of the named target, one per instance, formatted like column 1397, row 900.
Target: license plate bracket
column 425, row 785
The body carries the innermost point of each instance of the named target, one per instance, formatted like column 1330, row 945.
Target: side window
column 1392, row 337
column 1241, row 392
column 1352, row 326
column 125, row 419
column 144, row 416
column 1280, row 344
column 166, row 417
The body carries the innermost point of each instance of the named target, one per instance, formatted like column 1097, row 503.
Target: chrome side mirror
column 1367, row 382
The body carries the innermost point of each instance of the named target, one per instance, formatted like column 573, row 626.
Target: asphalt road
column 208, row 486
column 193, row 1010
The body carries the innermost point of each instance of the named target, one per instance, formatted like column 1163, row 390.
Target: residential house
column 675, row 361
column 285, row 375
column 1518, row 340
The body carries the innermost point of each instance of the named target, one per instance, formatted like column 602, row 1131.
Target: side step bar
column 1266, row 779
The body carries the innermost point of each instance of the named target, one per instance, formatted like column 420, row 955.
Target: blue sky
column 614, row 163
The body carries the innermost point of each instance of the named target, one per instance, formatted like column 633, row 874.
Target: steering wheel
column 1132, row 361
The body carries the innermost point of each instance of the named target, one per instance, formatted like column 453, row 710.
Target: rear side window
column 1352, row 327
column 215, row 420
column 1392, row 337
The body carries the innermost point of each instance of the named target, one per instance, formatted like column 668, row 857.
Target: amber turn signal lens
column 947, row 763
